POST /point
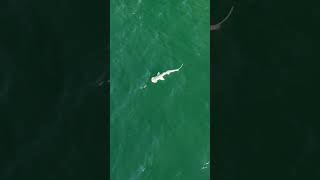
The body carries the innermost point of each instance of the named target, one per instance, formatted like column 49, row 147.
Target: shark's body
column 160, row 76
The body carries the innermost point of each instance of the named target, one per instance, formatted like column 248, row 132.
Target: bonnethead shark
column 160, row 76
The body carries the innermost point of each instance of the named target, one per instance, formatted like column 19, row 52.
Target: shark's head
column 154, row 80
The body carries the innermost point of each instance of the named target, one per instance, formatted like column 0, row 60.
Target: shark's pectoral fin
column 161, row 78
column 158, row 73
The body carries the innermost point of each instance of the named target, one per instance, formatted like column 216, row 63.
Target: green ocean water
column 160, row 131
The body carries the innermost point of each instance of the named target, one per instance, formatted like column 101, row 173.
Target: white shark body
column 160, row 76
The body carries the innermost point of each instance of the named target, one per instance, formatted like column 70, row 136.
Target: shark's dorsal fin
column 158, row 73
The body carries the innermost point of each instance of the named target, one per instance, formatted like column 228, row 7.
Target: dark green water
column 161, row 131
column 265, row 92
column 53, row 113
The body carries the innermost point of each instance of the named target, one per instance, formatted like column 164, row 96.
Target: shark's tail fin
column 180, row 67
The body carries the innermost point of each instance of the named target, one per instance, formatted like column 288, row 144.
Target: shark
column 218, row 25
column 160, row 76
